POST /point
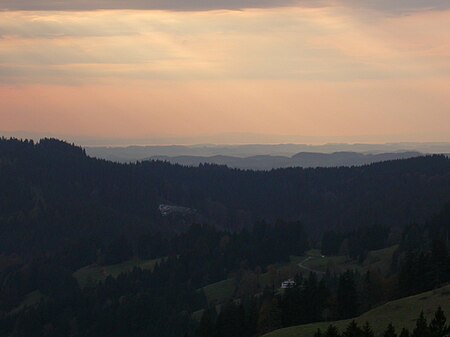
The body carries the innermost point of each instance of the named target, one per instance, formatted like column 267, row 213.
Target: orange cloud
column 309, row 71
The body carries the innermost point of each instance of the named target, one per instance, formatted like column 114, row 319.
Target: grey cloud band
column 202, row 5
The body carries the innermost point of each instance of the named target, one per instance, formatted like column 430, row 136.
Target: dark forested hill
column 52, row 193
column 64, row 215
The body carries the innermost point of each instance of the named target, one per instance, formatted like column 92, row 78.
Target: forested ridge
column 163, row 301
column 52, row 193
column 61, row 211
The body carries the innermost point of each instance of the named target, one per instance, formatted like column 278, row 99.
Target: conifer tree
column 318, row 333
column 206, row 326
column 367, row 330
column 347, row 295
column 390, row 331
column 331, row 331
column 421, row 329
column 352, row 330
column 438, row 327
column 269, row 316
column 404, row 333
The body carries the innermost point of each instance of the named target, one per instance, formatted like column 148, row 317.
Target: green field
column 220, row 292
column 225, row 290
column 376, row 260
column 402, row 313
column 89, row 274
column 95, row 273
column 30, row 300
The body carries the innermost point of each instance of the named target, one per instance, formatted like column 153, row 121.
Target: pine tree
column 269, row 316
column 439, row 262
column 206, row 326
column 404, row 333
column 331, row 331
column 367, row 330
column 228, row 321
column 318, row 333
column 347, row 295
column 352, row 330
column 421, row 329
column 390, row 331
column 438, row 327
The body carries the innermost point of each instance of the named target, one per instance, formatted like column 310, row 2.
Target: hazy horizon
column 226, row 139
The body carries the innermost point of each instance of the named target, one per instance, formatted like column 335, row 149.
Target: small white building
column 288, row 284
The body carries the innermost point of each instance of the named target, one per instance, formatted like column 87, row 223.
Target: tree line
column 436, row 328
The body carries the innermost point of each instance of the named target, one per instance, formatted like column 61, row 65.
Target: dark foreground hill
column 52, row 193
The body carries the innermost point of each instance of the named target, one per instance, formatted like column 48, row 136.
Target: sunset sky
column 347, row 70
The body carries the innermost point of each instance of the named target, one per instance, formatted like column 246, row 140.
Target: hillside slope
column 402, row 313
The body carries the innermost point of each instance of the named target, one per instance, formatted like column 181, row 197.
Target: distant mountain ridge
column 134, row 153
column 302, row 159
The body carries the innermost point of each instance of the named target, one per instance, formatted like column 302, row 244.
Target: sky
column 226, row 70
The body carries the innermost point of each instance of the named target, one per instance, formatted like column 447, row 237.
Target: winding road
column 301, row 265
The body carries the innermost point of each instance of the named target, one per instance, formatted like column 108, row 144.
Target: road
column 301, row 265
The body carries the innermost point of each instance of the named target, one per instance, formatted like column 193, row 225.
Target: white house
column 288, row 284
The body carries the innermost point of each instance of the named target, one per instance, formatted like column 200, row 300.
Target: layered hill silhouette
column 302, row 159
column 53, row 193
column 142, row 152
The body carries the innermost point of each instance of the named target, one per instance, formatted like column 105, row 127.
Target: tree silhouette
column 438, row 327
column 390, row 331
